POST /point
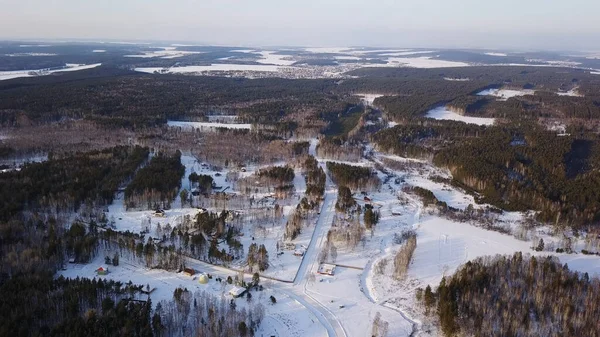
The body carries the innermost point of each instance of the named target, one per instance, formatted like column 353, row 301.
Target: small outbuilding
column 189, row 271
column 327, row 269
column 103, row 270
column 237, row 291
column 159, row 213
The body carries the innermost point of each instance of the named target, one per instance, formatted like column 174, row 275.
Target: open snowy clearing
column 368, row 99
column 457, row 79
column 505, row 94
column 30, row 54
column 166, row 53
column 269, row 57
column 98, row 51
column 422, row 62
column 7, row 75
column 327, row 50
column 207, row 125
column 445, row 113
column 573, row 93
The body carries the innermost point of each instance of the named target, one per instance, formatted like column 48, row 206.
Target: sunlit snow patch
column 444, row 113
column 505, row 94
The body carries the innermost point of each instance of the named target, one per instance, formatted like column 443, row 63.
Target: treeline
column 513, row 167
column 336, row 148
column 156, row 184
column 202, row 314
column 201, row 181
column 515, row 296
column 541, row 171
column 315, row 178
column 39, row 305
column 278, row 174
column 65, row 184
column 355, row 177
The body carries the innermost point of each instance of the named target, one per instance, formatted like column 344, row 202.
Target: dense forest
column 516, row 167
column 355, row 177
column 530, row 296
column 66, row 183
column 156, row 184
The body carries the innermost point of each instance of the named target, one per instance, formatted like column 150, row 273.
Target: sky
column 523, row 24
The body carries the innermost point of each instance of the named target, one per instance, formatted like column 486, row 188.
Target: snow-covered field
column 505, row 94
column 269, row 57
column 288, row 317
column 346, row 303
column 406, row 53
column 7, row 75
column 573, row 92
column 207, row 125
column 457, row 79
column 30, row 54
column 164, row 53
column 495, row 54
column 445, row 113
column 423, row 62
column 211, row 68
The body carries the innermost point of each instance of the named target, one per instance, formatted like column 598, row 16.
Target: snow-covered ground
column 288, row 317
column 99, row 51
column 210, row 68
column 573, row 92
column 457, row 79
column 445, row 113
column 442, row 244
column 30, row 54
column 7, row 75
column 406, row 53
column 269, row 57
column 369, row 98
column 422, row 62
column 164, row 53
column 327, row 50
column 207, row 125
column 495, row 54
column 346, row 303
column 505, row 94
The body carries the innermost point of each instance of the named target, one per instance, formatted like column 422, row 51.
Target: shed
column 189, row 271
column 237, row 291
column 327, row 269
column 103, row 270
column 159, row 213
column 299, row 252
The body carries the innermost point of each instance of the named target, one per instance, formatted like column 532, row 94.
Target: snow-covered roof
column 237, row 291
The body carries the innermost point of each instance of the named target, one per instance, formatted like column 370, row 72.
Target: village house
column 327, row 269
